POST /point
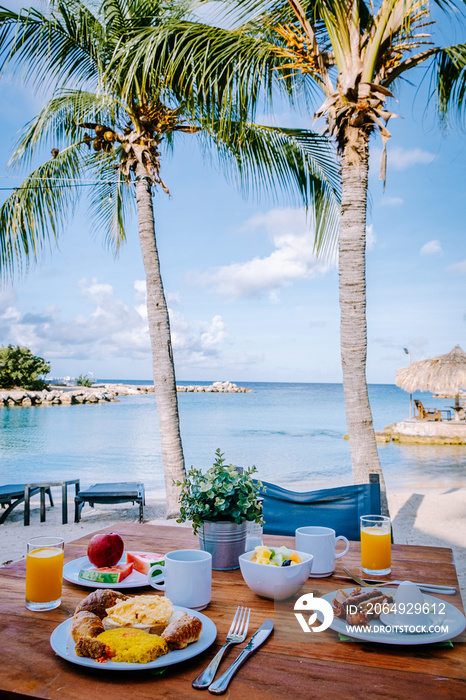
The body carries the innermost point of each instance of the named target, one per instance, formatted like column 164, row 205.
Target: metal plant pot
column 225, row 541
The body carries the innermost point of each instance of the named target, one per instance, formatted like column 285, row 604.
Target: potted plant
column 219, row 503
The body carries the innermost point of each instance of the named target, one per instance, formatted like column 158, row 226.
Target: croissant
column 85, row 626
column 180, row 633
column 98, row 601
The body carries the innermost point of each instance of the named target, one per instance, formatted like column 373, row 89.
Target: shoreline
column 432, row 516
column 58, row 395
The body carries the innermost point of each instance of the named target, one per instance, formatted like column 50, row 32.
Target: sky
column 248, row 299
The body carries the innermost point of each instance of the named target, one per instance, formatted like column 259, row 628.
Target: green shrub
column 84, row 380
column 19, row 367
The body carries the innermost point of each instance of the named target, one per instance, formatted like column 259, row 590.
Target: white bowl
column 275, row 582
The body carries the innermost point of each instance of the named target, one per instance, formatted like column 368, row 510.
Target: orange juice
column 44, row 574
column 376, row 550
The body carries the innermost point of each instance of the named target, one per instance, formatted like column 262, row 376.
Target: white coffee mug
column 188, row 578
column 321, row 543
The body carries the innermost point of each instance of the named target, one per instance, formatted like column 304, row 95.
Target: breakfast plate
column 72, row 568
column 63, row 645
column 446, row 622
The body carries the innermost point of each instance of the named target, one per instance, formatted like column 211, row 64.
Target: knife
column 426, row 587
column 258, row 638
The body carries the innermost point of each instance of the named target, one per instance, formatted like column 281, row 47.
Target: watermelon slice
column 144, row 562
column 107, row 574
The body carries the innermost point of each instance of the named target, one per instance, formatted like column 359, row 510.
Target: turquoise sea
column 291, row 432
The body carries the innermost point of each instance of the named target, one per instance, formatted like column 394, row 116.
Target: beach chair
column 430, row 413
column 12, row 495
column 120, row 492
column 338, row 508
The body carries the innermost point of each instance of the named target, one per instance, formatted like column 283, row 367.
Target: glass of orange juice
column 376, row 545
column 44, row 572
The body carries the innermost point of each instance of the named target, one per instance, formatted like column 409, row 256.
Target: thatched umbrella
column 444, row 374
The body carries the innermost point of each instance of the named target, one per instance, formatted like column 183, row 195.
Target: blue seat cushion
column 338, row 508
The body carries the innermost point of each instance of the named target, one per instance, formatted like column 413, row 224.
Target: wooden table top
column 315, row 665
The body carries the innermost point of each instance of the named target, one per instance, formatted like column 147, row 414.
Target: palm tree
column 113, row 137
column 351, row 53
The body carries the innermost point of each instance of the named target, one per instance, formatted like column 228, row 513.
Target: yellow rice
column 133, row 645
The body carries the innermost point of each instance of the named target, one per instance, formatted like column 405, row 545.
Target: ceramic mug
column 321, row 543
column 188, row 578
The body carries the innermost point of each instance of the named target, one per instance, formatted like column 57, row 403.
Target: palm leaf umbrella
column 442, row 374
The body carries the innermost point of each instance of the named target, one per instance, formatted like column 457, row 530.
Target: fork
column 236, row 634
column 428, row 588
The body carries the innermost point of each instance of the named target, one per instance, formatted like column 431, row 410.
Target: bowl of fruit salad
column 275, row 572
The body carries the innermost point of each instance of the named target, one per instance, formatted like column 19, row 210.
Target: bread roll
column 182, row 632
column 85, row 624
column 98, row 601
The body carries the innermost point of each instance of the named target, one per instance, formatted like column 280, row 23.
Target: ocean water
column 290, row 432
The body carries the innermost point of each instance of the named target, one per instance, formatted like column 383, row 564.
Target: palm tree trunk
column 162, row 357
column 352, row 273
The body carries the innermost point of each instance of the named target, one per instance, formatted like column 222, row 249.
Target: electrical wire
column 38, row 187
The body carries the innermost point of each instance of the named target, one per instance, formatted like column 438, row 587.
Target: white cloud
column 459, row 267
column 94, row 290
column 140, row 286
column 293, row 258
column 371, row 238
column 215, row 334
column 391, row 202
column 111, row 329
column 431, row 248
column 401, row 158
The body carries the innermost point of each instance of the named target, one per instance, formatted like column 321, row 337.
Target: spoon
column 428, row 588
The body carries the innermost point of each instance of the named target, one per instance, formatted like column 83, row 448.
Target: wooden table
column 321, row 667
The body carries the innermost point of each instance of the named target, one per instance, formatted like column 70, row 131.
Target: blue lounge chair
column 12, row 495
column 338, row 508
column 121, row 492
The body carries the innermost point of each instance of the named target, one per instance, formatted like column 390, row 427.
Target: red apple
column 105, row 550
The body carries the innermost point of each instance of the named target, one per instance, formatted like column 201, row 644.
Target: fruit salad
column 275, row 556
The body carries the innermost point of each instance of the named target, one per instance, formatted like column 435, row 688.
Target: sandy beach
column 434, row 517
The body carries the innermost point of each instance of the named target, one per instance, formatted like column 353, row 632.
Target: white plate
column 452, row 619
column 72, row 568
column 421, row 619
column 63, row 644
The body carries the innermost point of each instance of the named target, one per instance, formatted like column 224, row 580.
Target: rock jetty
column 53, row 397
column 98, row 393
column 225, row 387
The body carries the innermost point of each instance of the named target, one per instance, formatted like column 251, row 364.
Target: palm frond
column 32, row 217
column 450, row 82
column 111, row 199
column 56, row 124
column 50, row 49
column 296, row 163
